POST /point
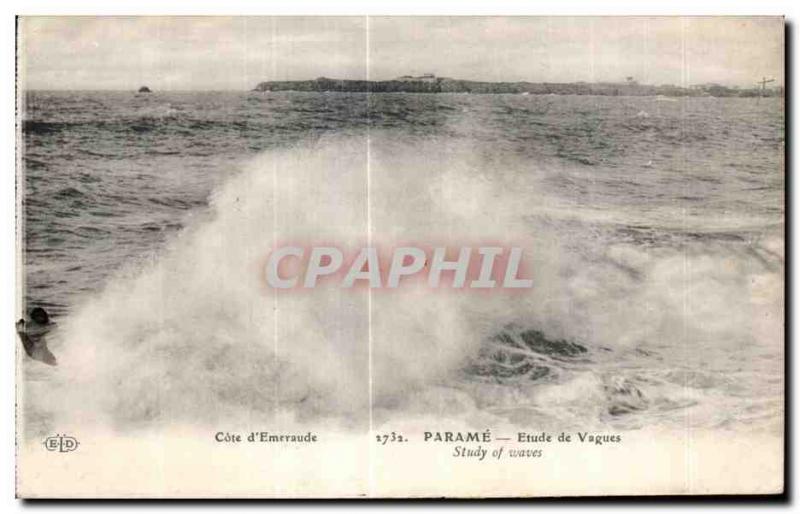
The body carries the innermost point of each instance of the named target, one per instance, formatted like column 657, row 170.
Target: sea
column 653, row 231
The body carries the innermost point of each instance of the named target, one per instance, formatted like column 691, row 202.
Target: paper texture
column 400, row 257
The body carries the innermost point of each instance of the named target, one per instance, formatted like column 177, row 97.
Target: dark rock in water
column 144, row 89
column 528, row 354
column 32, row 336
column 40, row 316
column 555, row 348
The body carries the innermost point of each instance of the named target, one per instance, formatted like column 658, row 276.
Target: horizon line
column 635, row 84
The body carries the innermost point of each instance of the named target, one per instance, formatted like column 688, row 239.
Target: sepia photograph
column 400, row 256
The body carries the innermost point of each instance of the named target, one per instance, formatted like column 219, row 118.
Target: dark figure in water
column 32, row 336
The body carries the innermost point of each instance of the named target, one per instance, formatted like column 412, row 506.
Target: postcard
column 400, row 257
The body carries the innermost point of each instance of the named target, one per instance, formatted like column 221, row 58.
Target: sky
column 236, row 53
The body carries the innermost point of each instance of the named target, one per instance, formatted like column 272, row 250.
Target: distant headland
column 430, row 83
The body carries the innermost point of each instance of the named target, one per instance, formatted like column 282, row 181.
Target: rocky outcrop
column 447, row 85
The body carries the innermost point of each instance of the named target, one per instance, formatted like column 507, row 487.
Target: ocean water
column 653, row 230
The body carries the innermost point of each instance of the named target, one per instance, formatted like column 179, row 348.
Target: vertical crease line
column 369, row 244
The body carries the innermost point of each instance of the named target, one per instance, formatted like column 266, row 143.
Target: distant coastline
column 432, row 84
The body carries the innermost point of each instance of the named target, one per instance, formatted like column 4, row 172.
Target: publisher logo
column 61, row 443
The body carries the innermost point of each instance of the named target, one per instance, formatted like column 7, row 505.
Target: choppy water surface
column 654, row 229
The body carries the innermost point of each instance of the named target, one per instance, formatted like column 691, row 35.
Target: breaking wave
column 623, row 326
